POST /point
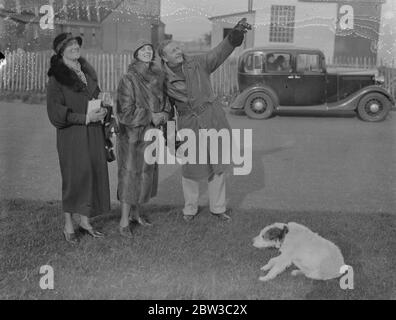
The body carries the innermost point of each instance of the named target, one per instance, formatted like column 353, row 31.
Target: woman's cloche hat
column 62, row 39
column 140, row 44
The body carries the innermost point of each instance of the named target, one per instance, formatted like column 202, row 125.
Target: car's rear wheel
column 259, row 105
column 373, row 107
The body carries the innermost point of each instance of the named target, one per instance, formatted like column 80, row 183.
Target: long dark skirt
column 137, row 180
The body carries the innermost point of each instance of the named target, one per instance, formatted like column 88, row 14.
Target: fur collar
column 146, row 70
column 67, row 77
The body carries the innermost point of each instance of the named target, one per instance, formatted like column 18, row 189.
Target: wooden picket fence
column 352, row 62
column 27, row 71
column 387, row 72
column 225, row 78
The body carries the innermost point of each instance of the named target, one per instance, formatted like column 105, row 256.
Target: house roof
column 232, row 15
column 68, row 16
column 25, row 18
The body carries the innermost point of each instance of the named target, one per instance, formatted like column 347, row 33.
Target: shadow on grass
column 205, row 259
column 238, row 187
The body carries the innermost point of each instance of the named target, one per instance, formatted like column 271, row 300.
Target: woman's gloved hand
column 159, row 118
column 96, row 115
column 237, row 34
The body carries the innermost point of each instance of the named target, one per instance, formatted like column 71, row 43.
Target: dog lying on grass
column 314, row 256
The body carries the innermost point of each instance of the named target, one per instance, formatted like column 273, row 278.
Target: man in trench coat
column 188, row 85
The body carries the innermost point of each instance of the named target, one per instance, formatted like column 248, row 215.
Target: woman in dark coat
column 80, row 138
column 141, row 106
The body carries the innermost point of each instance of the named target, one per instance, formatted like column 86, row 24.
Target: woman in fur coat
column 80, row 138
column 141, row 105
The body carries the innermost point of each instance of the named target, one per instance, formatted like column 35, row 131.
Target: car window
column 308, row 63
column 254, row 63
column 248, row 63
column 278, row 62
column 258, row 62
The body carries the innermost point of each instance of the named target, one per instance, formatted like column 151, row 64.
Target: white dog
column 314, row 256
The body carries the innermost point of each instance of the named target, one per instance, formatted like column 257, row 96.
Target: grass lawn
column 203, row 259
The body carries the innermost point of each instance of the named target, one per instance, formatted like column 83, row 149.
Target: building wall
column 314, row 24
column 362, row 40
column 121, row 30
column 132, row 21
column 387, row 35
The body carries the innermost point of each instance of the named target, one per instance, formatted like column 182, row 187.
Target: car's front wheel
column 259, row 105
column 373, row 107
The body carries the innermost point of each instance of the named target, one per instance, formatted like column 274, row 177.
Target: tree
column 207, row 37
column 10, row 36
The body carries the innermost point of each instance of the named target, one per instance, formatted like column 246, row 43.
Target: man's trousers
column 216, row 191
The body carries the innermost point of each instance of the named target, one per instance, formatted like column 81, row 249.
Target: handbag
column 109, row 127
column 109, row 147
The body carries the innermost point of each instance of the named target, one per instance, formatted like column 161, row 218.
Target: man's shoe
column 188, row 217
column 225, row 216
column 142, row 221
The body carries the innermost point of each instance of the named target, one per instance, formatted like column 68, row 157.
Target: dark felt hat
column 62, row 39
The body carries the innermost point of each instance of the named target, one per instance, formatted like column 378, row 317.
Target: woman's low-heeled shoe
column 142, row 221
column 71, row 237
column 92, row 232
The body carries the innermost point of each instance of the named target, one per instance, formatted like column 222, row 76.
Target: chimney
column 250, row 5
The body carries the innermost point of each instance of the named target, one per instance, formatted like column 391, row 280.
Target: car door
column 309, row 80
column 280, row 76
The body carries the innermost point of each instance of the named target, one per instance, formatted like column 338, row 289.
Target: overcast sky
column 188, row 19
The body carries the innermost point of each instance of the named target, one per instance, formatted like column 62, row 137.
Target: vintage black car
column 292, row 79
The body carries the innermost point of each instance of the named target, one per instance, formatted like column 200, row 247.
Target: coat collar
column 147, row 71
column 189, row 62
column 67, row 77
column 138, row 66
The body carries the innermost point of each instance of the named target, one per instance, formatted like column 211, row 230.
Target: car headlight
column 379, row 79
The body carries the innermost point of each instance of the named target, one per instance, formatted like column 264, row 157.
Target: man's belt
column 194, row 111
